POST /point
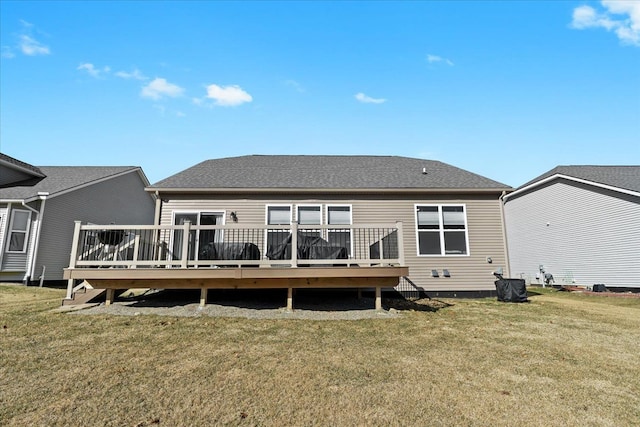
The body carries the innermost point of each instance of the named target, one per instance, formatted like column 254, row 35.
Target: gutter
column 328, row 190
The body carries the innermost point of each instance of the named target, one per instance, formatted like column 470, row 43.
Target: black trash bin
column 511, row 290
column 599, row 287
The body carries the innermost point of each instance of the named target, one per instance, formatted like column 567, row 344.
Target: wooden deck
column 173, row 257
column 204, row 279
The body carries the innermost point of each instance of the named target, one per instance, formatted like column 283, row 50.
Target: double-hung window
column 442, row 230
column 278, row 215
column 18, row 231
column 339, row 215
column 308, row 216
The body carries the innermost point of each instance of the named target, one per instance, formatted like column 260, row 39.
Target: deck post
column 136, row 248
column 378, row 298
column 186, row 231
column 289, row 299
column 203, row 296
column 73, row 256
column 109, row 298
column 400, row 241
column 294, row 245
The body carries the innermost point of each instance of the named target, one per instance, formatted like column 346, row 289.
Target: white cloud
column 368, row 100
column 92, row 70
column 26, row 43
column 158, row 88
column 31, row 47
column 228, row 96
column 435, row 58
column 294, row 84
column 135, row 74
column 621, row 17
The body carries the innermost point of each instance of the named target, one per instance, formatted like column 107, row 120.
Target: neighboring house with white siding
column 579, row 223
column 453, row 230
column 38, row 207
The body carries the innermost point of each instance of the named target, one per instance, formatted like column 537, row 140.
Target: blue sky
column 508, row 90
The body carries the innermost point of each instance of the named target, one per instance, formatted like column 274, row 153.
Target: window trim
column 266, row 221
column 276, row 205
column 341, row 205
column 10, row 231
column 198, row 214
column 310, row 205
column 441, row 229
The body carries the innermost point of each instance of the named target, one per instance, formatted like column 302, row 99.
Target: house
column 452, row 228
column 296, row 222
column 581, row 224
column 38, row 206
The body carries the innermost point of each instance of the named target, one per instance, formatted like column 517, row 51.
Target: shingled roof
column 20, row 165
column 623, row 177
column 62, row 178
column 297, row 172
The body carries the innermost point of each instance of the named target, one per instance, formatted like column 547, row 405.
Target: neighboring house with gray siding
column 38, row 207
column 453, row 230
column 579, row 223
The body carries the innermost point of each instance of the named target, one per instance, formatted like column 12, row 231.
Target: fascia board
column 570, row 178
column 21, row 168
column 97, row 181
column 325, row 190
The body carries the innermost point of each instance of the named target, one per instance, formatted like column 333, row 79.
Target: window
column 309, row 215
column 278, row 215
column 339, row 215
column 442, row 230
column 18, row 231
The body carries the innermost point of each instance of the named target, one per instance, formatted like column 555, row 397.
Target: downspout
column 156, row 219
column 504, row 234
column 35, row 242
column 43, row 197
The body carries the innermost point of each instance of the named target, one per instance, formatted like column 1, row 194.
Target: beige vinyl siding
column 121, row 200
column 468, row 273
column 592, row 236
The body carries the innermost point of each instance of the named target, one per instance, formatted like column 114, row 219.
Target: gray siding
column 120, row 200
column 468, row 273
column 581, row 234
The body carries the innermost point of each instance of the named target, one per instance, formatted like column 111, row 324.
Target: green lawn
column 562, row 359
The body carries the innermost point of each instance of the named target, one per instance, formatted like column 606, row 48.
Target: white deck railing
column 235, row 245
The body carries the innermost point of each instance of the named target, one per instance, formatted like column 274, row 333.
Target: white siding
column 4, row 212
column 581, row 235
column 17, row 262
column 468, row 273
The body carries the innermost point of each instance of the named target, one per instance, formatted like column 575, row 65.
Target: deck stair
column 84, row 294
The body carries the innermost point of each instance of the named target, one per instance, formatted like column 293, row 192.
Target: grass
column 563, row 359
